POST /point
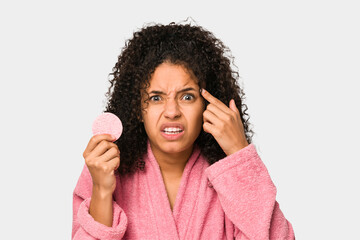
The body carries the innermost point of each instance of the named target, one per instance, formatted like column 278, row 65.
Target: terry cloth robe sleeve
column 84, row 227
column 247, row 196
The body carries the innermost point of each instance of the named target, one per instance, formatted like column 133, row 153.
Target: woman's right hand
column 102, row 158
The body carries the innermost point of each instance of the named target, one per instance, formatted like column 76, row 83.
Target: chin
column 174, row 147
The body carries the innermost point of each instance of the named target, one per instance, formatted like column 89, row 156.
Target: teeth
column 172, row 130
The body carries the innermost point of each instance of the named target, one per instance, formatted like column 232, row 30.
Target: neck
column 172, row 164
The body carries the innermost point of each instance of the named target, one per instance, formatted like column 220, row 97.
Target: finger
column 110, row 154
column 209, row 128
column 209, row 116
column 232, row 106
column 94, row 141
column 101, row 148
column 223, row 116
column 211, row 99
column 114, row 163
column 217, row 111
column 108, row 166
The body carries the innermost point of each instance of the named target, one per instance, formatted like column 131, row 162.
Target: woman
column 184, row 167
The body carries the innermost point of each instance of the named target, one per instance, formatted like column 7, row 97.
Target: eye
column 155, row 98
column 188, row 97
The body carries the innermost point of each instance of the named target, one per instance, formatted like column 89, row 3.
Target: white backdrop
column 299, row 64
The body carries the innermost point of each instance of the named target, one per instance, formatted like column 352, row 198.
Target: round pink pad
column 107, row 123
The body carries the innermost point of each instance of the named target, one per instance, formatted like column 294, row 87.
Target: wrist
column 237, row 148
column 101, row 193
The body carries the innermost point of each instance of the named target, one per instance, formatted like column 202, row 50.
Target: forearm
column 248, row 196
column 107, row 219
column 101, row 207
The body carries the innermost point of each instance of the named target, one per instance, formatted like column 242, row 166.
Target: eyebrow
column 180, row 91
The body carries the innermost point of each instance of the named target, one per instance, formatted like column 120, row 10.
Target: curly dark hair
column 190, row 46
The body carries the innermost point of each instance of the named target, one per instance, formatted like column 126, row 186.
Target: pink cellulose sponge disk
column 107, row 123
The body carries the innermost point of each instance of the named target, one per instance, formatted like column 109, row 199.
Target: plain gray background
column 299, row 66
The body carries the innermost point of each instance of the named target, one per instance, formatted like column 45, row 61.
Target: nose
column 172, row 110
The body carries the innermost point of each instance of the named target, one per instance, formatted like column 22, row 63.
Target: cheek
column 150, row 116
column 196, row 117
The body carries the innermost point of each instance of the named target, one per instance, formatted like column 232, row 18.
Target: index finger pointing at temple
column 211, row 99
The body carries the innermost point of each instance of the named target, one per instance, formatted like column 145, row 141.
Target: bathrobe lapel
column 186, row 196
column 159, row 200
column 184, row 210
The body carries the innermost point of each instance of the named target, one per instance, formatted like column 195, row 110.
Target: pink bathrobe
column 233, row 198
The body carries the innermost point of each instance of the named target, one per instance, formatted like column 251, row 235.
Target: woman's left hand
column 224, row 123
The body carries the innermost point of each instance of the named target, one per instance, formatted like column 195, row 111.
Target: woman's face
column 173, row 119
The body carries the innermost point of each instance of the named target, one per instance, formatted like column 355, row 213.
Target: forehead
column 168, row 76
